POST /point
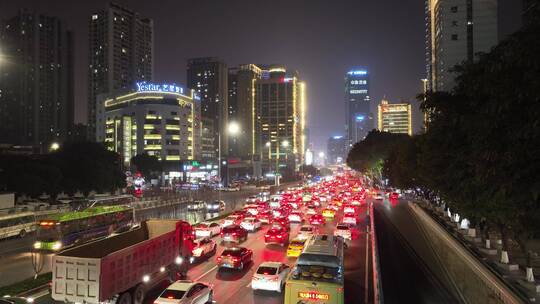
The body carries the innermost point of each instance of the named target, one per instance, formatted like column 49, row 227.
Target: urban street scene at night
column 269, row 152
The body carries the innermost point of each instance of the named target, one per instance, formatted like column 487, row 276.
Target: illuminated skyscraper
column 280, row 103
column 208, row 77
column 36, row 80
column 358, row 117
column 120, row 53
column 455, row 31
column 336, row 149
column 395, row 117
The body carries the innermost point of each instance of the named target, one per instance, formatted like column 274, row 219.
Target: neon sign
column 358, row 72
column 152, row 87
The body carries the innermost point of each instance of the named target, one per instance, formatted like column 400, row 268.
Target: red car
column 241, row 213
column 283, row 222
column 394, row 195
column 276, row 235
column 233, row 233
column 265, row 216
column 235, row 257
column 317, row 219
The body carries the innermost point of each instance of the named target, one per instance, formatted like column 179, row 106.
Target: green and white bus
column 318, row 276
column 76, row 227
column 17, row 224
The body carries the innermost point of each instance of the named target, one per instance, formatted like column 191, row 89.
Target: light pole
column 233, row 128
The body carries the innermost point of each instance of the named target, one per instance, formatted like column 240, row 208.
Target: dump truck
column 123, row 267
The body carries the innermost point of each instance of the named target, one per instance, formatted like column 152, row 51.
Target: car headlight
column 37, row 245
column 57, row 245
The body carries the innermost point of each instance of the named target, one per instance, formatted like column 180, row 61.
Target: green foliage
column 368, row 156
column 80, row 166
column 147, row 165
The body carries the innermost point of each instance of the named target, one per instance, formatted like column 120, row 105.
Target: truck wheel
column 124, row 298
column 210, row 297
column 22, row 233
column 138, row 294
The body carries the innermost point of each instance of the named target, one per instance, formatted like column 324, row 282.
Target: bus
column 18, row 224
column 318, row 276
column 73, row 228
column 112, row 200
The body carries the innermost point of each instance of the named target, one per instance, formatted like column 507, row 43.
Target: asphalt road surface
column 234, row 287
column 406, row 278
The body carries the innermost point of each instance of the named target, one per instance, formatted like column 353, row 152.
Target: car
column 202, row 248
column 234, row 257
column 276, row 235
column 215, row 206
column 349, row 209
column 232, row 220
column 252, row 199
column 278, row 212
column 265, row 216
column 186, row 291
column 311, row 209
column 344, row 230
column 350, row 218
column 15, row 300
column 251, row 224
column 328, row 213
column 377, row 196
column 283, row 222
column 270, row 276
column 206, row 229
column 196, row 206
column 394, row 195
column 241, row 213
column 317, row 219
column 252, row 209
column 295, row 247
column 233, row 233
column 295, row 217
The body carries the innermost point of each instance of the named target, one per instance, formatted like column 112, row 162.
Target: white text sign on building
column 164, row 88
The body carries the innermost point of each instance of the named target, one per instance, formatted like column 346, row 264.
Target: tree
column 149, row 166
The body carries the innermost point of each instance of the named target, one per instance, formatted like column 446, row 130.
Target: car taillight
column 273, row 279
column 218, row 259
column 235, row 259
column 279, row 236
column 267, row 235
column 221, row 233
column 234, row 233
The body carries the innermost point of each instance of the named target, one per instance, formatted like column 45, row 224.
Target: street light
column 54, row 146
column 233, row 128
column 321, row 154
column 285, row 143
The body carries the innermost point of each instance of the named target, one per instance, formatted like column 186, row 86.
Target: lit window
column 94, row 17
column 454, row 37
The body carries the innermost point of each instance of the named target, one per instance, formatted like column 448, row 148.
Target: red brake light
column 267, row 235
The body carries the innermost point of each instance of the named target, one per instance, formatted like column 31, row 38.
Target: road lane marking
column 204, row 274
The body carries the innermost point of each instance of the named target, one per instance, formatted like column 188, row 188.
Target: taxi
column 329, row 213
column 295, row 248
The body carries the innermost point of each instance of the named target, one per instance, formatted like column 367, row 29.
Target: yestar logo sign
column 152, row 87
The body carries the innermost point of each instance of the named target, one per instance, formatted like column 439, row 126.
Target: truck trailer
column 122, row 268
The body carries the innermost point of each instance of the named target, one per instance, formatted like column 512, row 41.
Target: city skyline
column 321, row 52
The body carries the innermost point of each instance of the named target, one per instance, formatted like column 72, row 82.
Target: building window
column 454, row 37
column 453, row 9
column 94, row 17
column 454, row 23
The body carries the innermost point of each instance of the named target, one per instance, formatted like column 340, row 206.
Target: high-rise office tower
column 456, row 31
column 336, row 150
column 358, row 117
column 208, row 77
column 120, row 54
column 36, row 80
column 280, row 105
column 241, row 108
column 395, row 117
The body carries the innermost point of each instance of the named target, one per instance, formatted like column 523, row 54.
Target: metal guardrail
column 491, row 279
column 377, row 282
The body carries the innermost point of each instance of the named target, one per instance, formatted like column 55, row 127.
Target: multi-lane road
column 232, row 286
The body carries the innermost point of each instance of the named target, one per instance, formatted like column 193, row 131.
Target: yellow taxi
column 295, row 248
column 338, row 202
column 329, row 213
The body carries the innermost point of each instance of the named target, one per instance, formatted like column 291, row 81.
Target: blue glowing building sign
column 360, row 117
column 164, row 88
column 358, row 72
column 337, row 137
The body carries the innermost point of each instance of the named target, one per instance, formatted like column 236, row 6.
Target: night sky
column 320, row 39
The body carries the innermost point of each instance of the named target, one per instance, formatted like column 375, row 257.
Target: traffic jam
column 275, row 227
column 288, row 247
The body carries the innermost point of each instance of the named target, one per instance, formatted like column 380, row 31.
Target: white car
column 251, row 209
column 295, row 217
column 204, row 247
column 305, row 232
column 251, row 199
column 230, row 220
column 343, row 230
column 350, row 218
column 206, row 229
column 251, row 224
column 270, row 276
column 349, row 209
column 185, row 291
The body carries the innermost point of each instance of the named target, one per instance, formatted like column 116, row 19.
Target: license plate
column 227, row 238
column 312, row 295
